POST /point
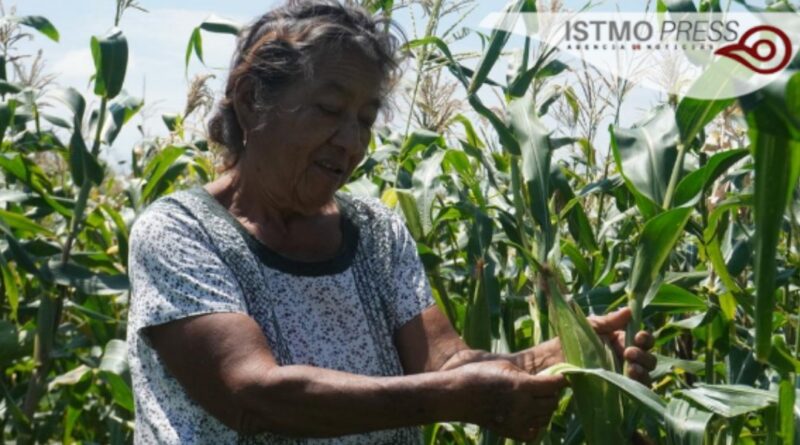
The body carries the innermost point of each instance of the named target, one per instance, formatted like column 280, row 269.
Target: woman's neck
column 274, row 222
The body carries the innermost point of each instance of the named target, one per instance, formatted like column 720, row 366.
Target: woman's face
column 316, row 134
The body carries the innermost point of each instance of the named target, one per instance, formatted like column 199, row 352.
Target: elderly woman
column 268, row 308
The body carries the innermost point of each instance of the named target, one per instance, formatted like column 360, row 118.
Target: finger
column 606, row 324
column 546, row 406
column 636, row 372
column 547, row 385
column 644, row 340
column 617, row 341
column 640, row 357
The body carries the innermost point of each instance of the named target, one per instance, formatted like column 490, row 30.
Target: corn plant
column 519, row 242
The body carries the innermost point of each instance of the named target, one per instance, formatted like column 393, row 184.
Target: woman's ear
column 243, row 104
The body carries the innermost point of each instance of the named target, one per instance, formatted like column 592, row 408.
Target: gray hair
column 279, row 48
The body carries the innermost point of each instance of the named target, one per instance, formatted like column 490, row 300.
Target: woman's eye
column 329, row 109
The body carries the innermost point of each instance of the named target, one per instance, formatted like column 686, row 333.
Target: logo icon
column 758, row 52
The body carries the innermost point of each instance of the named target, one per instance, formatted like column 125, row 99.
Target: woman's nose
column 350, row 136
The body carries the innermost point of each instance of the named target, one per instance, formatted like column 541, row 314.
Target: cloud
column 74, row 67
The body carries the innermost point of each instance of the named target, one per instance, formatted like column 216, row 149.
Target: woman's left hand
column 610, row 327
column 639, row 360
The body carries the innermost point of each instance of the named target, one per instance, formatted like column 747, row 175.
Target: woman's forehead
column 349, row 73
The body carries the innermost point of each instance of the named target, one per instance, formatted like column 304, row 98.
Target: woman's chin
column 312, row 203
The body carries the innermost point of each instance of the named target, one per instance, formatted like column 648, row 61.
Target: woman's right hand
column 507, row 400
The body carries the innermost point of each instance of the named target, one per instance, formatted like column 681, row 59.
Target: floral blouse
column 190, row 256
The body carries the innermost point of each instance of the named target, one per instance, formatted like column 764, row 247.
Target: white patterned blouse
column 190, row 256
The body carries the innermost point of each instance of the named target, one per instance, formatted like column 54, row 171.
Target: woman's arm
column 225, row 364
column 429, row 343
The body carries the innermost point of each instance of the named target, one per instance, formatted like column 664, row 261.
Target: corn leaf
column 730, row 400
column 776, row 150
column 656, row 241
column 689, row 189
column 686, row 424
column 693, row 115
column 110, row 54
column 497, row 41
column 645, row 156
column 39, row 23
column 598, row 403
column 534, row 143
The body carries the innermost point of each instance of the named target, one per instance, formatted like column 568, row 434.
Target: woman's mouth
column 330, row 168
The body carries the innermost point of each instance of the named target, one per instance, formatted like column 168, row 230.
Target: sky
column 157, row 44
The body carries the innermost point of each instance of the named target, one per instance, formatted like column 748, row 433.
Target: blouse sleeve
column 413, row 294
column 175, row 271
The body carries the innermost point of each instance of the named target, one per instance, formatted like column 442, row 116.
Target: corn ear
column 599, row 404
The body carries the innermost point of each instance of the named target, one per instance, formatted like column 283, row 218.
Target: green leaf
column 160, row 171
column 668, row 364
column 676, row 6
column 75, row 102
column 645, row 156
column 220, row 25
column 213, row 24
column 656, row 241
column 71, row 377
column 781, row 358
column 497, row 41
column 424, row 187
column 686, row 424
column 479, row 320
column 712, row 238
column 88, row 282
column 7, row 87
column 14, row 344
column 419, row 140
column 730, row 400
column 505, row 134
column 82, row 164
column 638, row 392
column 777, row 165
column 115, row 357
column 579, row 225
column 120, row 390
column 23, row 223
column 22, row 422
column 691, row 186
column 693, row 115
column 786, row 399
column 21, row 256
column 534, row 143
column 10, row 288
column 7, row 110
column 38, row 23
column 110, row 54
column 408, row 204
column 57, row 121
column 121, row 110
column 520, row 84
column 671, row 298
column 172, row 121
column 457, row 69
column 581, row 345
column 195, row 45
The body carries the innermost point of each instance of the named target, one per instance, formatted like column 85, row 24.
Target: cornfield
column 689, row 216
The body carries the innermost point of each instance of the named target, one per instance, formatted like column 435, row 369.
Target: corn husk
column 599, row 405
